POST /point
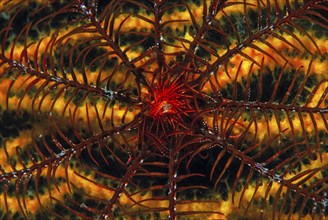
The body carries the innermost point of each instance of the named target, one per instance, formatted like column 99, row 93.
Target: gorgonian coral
column 179, row 109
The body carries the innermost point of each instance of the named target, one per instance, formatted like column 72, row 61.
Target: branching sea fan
column 163, row 109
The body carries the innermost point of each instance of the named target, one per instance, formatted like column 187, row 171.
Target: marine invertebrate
column 163, row 109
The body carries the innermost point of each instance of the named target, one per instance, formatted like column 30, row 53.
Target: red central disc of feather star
column 169, row 102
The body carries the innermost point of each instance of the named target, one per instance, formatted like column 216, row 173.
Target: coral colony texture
column 159, row 109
